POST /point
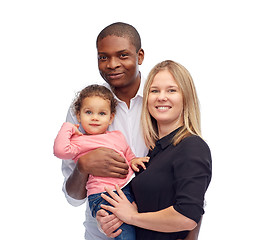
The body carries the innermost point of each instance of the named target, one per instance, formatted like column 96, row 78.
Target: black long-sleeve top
column 176, row 176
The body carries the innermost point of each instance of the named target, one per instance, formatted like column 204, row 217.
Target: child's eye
column 102, row 113
column 88, row 112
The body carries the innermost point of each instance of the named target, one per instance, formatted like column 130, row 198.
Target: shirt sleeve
column 64, row 148
column 69, row 165
column 192, row 171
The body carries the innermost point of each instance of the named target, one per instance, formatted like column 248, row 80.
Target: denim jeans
column 95, row 201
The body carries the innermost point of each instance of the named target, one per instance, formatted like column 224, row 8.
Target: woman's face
column 165, row 102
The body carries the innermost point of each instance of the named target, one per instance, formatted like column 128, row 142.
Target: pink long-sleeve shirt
column 68, row 145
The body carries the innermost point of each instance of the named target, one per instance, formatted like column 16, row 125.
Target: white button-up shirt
column 127, row 120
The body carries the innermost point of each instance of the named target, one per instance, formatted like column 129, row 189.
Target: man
column 119, row 56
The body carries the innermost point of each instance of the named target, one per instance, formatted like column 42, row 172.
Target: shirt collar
column 167, row 140
column 141, row 87
column 139, row 93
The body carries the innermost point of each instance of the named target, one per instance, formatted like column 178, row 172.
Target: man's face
column 118, row 61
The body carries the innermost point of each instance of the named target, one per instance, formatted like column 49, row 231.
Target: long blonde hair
column 191, row 112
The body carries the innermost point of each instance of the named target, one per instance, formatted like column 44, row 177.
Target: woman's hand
column 121, row 207
column 108, row 223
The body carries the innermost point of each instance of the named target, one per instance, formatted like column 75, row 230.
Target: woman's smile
column 163, row 108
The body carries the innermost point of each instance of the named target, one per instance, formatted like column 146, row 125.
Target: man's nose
column 113, row 63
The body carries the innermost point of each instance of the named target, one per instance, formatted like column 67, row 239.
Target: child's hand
column 136, row 162
column 77, row 132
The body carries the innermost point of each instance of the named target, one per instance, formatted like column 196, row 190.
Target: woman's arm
column 110, row 223
column 193, row 235
column 166, row 220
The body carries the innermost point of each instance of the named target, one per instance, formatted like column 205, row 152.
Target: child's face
column 95, row 115
column 118, row 61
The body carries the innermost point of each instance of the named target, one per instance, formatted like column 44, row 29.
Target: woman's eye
column 154, row 91
column 172, row 90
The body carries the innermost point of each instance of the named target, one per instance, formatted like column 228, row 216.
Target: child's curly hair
column 94, row 90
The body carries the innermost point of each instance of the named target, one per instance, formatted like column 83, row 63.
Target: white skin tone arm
column 166, row 220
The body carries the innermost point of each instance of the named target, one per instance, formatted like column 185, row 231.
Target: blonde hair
column 191, row 112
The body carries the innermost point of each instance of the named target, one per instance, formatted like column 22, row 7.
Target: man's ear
column 141, row 56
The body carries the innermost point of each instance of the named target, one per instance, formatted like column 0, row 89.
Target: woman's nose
column 162, row 96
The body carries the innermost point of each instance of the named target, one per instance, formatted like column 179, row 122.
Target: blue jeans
column 95, row 201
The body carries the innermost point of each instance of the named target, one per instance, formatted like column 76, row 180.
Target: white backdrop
column 47, row 53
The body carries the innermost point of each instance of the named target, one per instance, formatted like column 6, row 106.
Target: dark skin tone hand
column 102, row 162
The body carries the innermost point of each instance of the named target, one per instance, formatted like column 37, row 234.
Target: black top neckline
column 167, row 140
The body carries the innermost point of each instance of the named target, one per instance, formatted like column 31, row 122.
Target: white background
column 47, row 53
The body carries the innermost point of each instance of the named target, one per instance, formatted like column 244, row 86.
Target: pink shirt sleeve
column 63, row 147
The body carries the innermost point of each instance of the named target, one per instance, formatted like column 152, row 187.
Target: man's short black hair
column 121, row 29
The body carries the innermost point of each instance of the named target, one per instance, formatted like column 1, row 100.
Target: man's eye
column 102, row 58
column 124, row 55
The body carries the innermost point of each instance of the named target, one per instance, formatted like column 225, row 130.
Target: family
column 133, row 147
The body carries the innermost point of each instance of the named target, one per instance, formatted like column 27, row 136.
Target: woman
column 170, row 192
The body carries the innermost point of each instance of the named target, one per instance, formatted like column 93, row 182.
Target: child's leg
column 95, row 201
column 128, row 232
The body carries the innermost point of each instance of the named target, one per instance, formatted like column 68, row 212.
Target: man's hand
column 108, row 223
column 103, row 162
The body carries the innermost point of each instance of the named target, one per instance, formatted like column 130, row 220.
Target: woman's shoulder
column 195, row 143
column 196, row 150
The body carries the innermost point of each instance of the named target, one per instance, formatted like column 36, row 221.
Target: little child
column 95, row 109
